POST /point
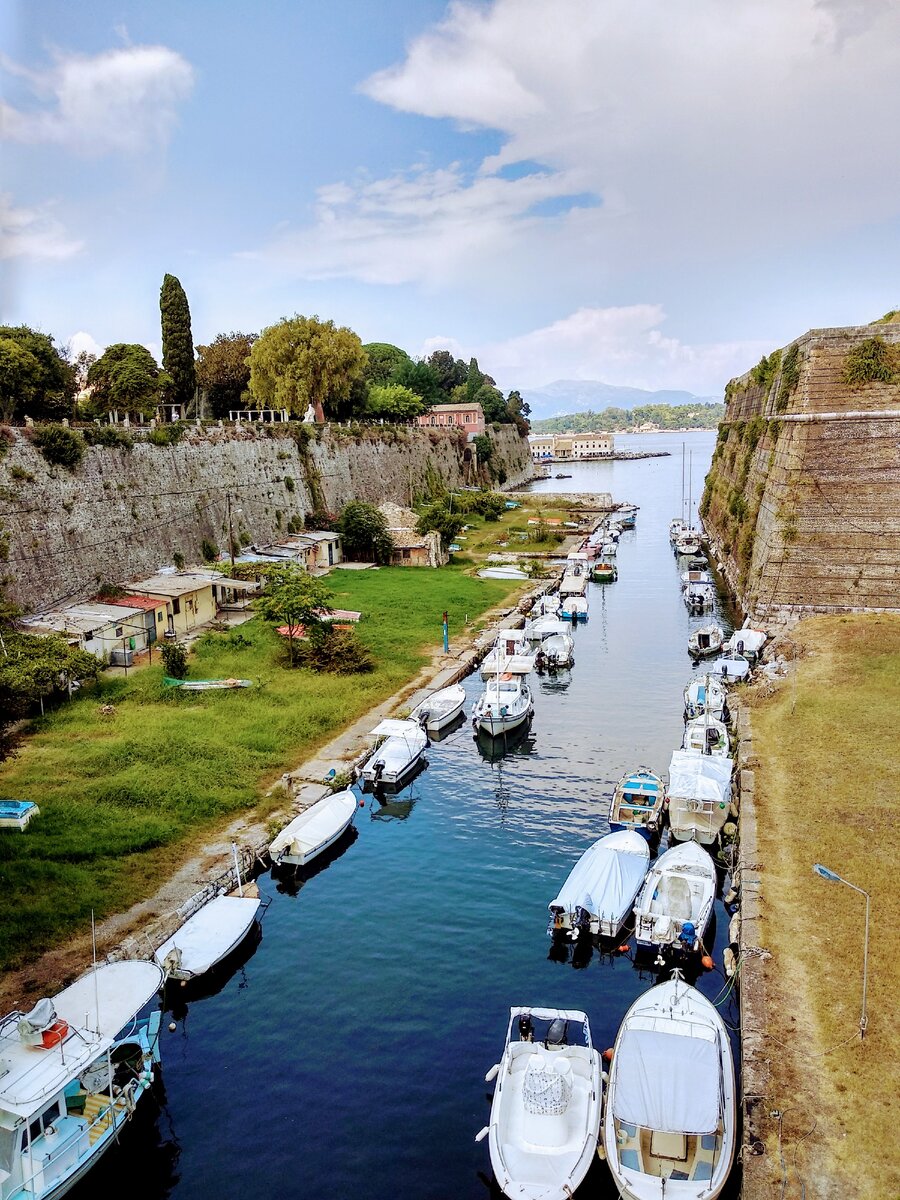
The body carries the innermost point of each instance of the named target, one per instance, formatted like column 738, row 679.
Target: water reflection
column 178, row 995
column 289, row 880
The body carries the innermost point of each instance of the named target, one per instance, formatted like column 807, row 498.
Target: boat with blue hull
column 638, row 803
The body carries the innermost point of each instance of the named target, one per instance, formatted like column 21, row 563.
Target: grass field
column 826, row 792
column 121, row 795
column 509, row 534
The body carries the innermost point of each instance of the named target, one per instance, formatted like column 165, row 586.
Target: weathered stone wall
column 123, row 512
column 802, row 502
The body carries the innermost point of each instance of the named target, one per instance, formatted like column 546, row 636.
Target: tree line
column 614, row 419
column 310, row 367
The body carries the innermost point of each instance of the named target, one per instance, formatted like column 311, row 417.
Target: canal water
column 346, row 1057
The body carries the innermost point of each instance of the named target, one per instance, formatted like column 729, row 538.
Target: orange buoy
column 608, row 1054
column 707, row 962
column 624, row 948
column 362, row 803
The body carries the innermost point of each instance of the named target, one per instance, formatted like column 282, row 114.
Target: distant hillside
column 579, row 395
column 666, row 416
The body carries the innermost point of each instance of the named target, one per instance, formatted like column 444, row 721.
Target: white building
column 555, row 447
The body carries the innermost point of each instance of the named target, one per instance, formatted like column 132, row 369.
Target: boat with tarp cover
column 698, row 798
column 637, row 803
column 599, row 893
column 669, row 1130
column 545, row 1114
column 313, row 831
column 400, row 748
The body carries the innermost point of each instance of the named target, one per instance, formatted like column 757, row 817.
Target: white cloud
column 33, row 233
column 83, row 342
column 620, row 345
column 121, row 101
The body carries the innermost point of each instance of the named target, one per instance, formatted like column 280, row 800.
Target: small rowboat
column 206, row 685
column 207, row 937
column 313, row 831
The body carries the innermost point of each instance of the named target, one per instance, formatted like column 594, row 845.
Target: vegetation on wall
column 872, row 361
column 59, row 445
column 790, row 376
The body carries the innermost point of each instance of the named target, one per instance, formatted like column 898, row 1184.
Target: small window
column 89, row 635
column 176, row 606
column 118, row 631
column 159, row 616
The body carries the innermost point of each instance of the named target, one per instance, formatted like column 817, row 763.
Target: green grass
column 121, row 796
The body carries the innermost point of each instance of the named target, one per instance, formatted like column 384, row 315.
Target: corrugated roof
column 147, row 603
column 175, row 583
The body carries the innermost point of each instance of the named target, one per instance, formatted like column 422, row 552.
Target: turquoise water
column 347, row 1057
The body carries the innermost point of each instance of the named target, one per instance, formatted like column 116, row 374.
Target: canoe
column 206, row 685
column 314, row 830
column 207, row 937
column 599, row 893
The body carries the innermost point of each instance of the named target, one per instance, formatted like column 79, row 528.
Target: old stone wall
column 124, row 512
column 802, row 502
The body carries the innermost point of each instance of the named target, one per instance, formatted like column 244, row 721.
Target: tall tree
column 35, row 379
column 393, row 402
column 126, row 378
column 474, row 379
column 384, row 360
column 364, row 533
column 223, row 371
column 177, row 343
column 419, row 378
column 450, row 372
column 303, row 361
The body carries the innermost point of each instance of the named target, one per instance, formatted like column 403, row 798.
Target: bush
column 174, row 660
column 209, row 550
column 484, row 447
column 108, row 435
column 289, row 483
column 870, row 362
column 337, row 651
column 178, row 560
column 166, row 435
column 790, row 377
column 59, row 445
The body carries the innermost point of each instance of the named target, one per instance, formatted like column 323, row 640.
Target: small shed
column 189, row 595
column 98, row 628
column 328, row 547
column 411, row 548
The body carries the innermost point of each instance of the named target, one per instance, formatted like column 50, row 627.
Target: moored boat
column 748, row 642
column 555, row 651
column 706, row 735
column 669, row 1128
column 676, row 901
column 545, row 1114
column 504, row 705
column 546, row 605
column 689, row 542
column 731, row 667
column 676, row 528
column 314, row 830
column 638, row 803
column 208, row 937
column 706, row 693
column 401, row 745
column 575, row 608
column 706, row 641
column 599, row 893
column 604, row 572
column 698, row 796
column 511, row 654
column 440, row 709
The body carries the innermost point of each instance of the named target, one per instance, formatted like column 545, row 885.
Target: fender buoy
column 707, row 962
column 608, row 1054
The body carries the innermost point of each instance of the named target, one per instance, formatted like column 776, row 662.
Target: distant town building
column 454, row 416
column 553, row 447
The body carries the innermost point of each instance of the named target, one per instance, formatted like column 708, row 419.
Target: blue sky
column 642, row 192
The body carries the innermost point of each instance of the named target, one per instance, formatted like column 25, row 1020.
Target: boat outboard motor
column 378, row 770
column 581, row 922
column 526, row 1028
column 688, row 936
column 712, row 737
column 557, row 1034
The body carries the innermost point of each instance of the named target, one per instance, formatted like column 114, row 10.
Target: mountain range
column 565, row 396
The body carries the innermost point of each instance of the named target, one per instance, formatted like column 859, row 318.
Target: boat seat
column 630, row 1159
column 668, row 1145
column 703, row 1169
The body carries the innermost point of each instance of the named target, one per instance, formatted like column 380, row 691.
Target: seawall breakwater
column 126, row 511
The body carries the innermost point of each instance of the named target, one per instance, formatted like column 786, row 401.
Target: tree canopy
column 35, row 378
column 223, row 371
column 293, row 598
column 364, row 532
column 449, row 372
column 393, row 402
column 438, row 516
column 126, row 378
column 383, row 360
column 177, row 343
column 33, row 668
column 302, row 361
column 419, row 378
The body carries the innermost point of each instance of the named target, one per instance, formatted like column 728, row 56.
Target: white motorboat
column 573, row 583
column 545, row 1115
column 748, row 642
column 544, row 627
column 706, row 641
column 670, row 1124
column 546, row 605
column 440, row 709
column 626, row 515
column 511, row 654
column 314, row 830
column 401, row 745
column 689, row 542
column 599, row 893
column 638, row 803
column 676, row 529
column 207, row 937
column 706, row 693
column 505, row 704
column 609, row 549
column 694, row 576
column 698, row 796
column 676, row 901
column 575, row 608
column 731, row 667
column 707, row 736
column 555, row 651
column 73, row 1070
column 699, row 596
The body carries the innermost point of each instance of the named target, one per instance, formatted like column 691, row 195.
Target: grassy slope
column 120, row 795
column 826, row 792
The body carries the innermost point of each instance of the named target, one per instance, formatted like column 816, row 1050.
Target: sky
column 648, row 192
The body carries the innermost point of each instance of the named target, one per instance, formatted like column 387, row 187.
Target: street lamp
column 833, row 877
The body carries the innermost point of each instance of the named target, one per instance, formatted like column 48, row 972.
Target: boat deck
column 676, row 1156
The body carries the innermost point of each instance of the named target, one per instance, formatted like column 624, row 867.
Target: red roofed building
column 454, row 416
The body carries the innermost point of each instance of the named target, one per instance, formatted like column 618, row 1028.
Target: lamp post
column 833, row 877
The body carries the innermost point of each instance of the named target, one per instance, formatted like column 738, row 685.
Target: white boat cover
column 211, row 933
column 316, row 826
column 746, row 641
column 700, row 776
column 667, row 1082
column 730, row 668
column 123, row 989
column 392, row 727
column 606, row 878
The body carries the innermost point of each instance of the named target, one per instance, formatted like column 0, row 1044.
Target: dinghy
column 605, row 572
column 698, row 797
column 608, row 550
column 637, row 803
column 706, row 694
column 748, row 642
column 670, row 1124
column 675, row 903
column 599, row 893
column 731, row 667
column 707, row 736
column 505, row 704
column 555, row 651
column 313, row 831
column 74, row 1069
column 546, row 605
column 401, row 745
column 575, row 608
column 545, row 1115
column 440, row 709
column 706, row 641
column 626, row 515
column 511, row 654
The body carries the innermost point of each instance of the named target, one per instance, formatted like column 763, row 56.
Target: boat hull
column 302, row 860
column 497, row 726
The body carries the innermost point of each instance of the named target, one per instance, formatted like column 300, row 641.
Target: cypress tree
column 177, row 343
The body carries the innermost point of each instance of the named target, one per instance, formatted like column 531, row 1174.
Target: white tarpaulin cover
column 747, row 641
column 700, row 776
column 667, row 1082
column 606, row 878
column 316, row 826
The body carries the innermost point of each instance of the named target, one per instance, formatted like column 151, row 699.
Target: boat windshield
column 9, row 1144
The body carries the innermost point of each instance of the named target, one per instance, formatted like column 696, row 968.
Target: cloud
column 83, row 342
column 121, row 101
column 33, row 233
column 621, row 345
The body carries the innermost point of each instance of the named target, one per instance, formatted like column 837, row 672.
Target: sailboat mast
column 682, row 480
column 690, row 497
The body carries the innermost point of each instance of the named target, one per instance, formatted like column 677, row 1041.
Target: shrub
column 178, row 560
column 6, row 439
column 108, row 435
column 289, row 483
column 870, row 362
column 337, row 651
column 166, row 435
column 174, row 660
column 484, row 447
column 790, row 377
column 20, row 475
column 209, row 550
column 765, row 370
column 59, row 445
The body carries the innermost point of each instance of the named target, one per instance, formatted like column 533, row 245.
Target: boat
column 676, row 529
column 731, row 667
column 676, row 901
column 507, row 572
column 605, row 572
column 546, row 605
column 699, row 596
column 748, row 642
column 17, row 814
column 401, row 745
column 705, row 641
column 560, row 475
column 706, row 693
column 693, row 576
column 608, row 550
column 689, row 542
column 707, row 736
column 314, row 830
column 206, row 685
column 669, row 1129
column 698, row 798
column 638, row 803
column 575, row 608
column 574, row 582
column 544, row 627
column 598, row 896
column 510, row 654
column 505, row 704
column 440, row 709
column 626, row 515
column 555, row 651
column 545, row 1114
column 208, row 936
column 74, row 1069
